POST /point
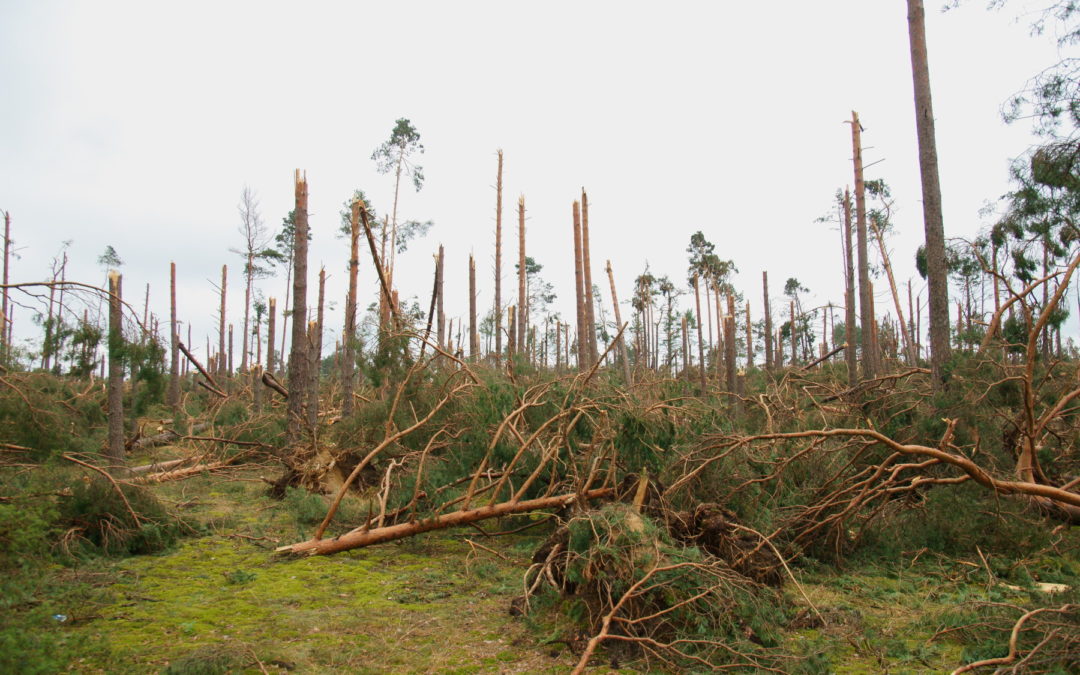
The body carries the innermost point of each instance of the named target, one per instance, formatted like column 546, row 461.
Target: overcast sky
column 137, row 125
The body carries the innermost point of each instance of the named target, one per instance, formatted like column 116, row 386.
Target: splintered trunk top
column 298, row 351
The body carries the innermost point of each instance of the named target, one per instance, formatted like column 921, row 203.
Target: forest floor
column 220, row 601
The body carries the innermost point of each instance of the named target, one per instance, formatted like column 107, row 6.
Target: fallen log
column 213, row 386
column 179, row 474
column 360, row 538
column 160, row 466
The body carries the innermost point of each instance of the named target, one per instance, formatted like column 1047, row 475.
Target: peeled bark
column 298, row 350
column 933, row 224
column 115, row 450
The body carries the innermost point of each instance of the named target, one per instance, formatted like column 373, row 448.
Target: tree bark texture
column 933, row 224
column 298, row 349
column 115, row 384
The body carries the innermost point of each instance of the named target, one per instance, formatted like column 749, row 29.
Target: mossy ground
column 219, row 601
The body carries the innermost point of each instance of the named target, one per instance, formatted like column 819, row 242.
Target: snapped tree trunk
column 618, row 322
column 934, row 227
column 768, row 321
column 579, row 281
column 174, row 339
column 222, row 365
column 523, row 301
column 586, row 266
column 298, row 350
column 115, row 385
column 498, row 260
column 474, row 333
column 700, row 338
column 348, row 339
column 849, row 295
column 315, row 336
column 866, row 316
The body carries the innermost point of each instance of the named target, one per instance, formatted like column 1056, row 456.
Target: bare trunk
column 523, row 301
column 700, row 338
column 348, row 339
column 474, row 333
column 937, row 273
column 749, row 339
column 174, row 351
column 440, row 281
column 245, row 336
column 768, row 321
column 221, row 322
column 5, row 320
column 315, row 336
column 590, row 305
column 579, row 281
column 849, row 295
column 618, row 327
column 270, row 325
column 866, row 317
column 498, row 260
column 729, row 342
column 115, row 450
column 298, row 351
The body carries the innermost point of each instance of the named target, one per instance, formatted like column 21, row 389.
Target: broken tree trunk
column 586, row 269
column 700, row 338
column 115, row 448
column 298, row 351
column 222, row 366
column 474, row 333
column 579, row 281
column 174, row 339
column 360, row 537
column 498, row 261
column 618, row 320
column 349, row 337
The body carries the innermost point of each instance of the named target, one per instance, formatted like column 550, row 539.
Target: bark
column 618, row 321
column 474, row 332
column 348, row 360
column 700, row 339
column 937, row 273
column 315, row 336
column 866, row 317
column 298, row 351
column 685, row 345
column 729, row 342
column 174, row 339
column 229, row 370
column 360, row 537
column 590, row 305
column 271, row 324
column 498, row 260
column 440, row 280
column 768, row 321
column 749, row 339
column 5, row 320
column 849, row 295
column 245, row 337
column 204, row 371
column 222, row 366
column 115, row 450
column 523, row 301
column 579, row 281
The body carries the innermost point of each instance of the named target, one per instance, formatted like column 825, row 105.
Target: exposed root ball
column 717, row 530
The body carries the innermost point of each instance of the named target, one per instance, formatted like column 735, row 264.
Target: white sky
column 137, row 125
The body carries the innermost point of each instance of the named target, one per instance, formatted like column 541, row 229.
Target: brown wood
column 933, row 225
column 173, row 398
column 348, row 338
column 498, row 260
column 579, row 281
column 768, row 321
column 222, row 365
column 360, row 537
column 523, row 300
column 866, row 316
column 474, row 332
column 115, row 449
column 298, row 378
column 586, row 267
column 700, row 339
column 618, row 322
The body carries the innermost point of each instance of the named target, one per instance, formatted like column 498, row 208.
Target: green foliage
column 306, row 508
column 98, row 519
column 211, row 660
